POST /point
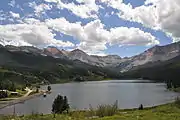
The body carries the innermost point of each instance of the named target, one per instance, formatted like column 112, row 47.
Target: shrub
column 104, row 110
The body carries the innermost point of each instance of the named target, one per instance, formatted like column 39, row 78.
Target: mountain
column 110, row 60
column 154, row 54
column 28, row 65
column 161, row 71
column 79, row 55
column 102, row 61
column 54, row 52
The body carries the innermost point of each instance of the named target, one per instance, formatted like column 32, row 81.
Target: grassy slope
column 164, row 112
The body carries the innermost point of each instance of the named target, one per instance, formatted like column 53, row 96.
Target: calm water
column 130, row 94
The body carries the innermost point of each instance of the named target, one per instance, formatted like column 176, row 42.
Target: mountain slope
column 109, row 60
column 154, row 54
column 49, row 68
column 158, row 71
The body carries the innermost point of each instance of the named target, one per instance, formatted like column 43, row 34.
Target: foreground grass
column 164, row 112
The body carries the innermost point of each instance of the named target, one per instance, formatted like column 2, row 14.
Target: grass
column 104, row 110
column 164, row 112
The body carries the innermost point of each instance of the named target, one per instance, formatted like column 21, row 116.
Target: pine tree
column 60, row 105
column 49, row 88
column 1, row 80
column 65, row 105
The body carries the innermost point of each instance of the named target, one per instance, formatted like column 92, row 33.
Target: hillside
column 153, row 55
column 22, row 64
column 52, row 64
column 158, row 71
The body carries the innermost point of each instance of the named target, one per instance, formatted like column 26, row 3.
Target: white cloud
column 65, row 26
column 93, row 37
column 157, row 14
column 132, row 36
column 29, row 34
column 54, row 1
column 31, row 21
column 14, row 15
column 41, row 8
column 87, row 8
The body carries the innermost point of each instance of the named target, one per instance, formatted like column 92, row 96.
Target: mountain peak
column 78, row 51
column 53, row 51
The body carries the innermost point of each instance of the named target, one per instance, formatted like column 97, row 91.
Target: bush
column 60, row 105
column 104, row 110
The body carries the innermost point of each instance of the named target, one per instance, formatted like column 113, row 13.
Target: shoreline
column 4, row 104
column 168, row 111
column 86, row 110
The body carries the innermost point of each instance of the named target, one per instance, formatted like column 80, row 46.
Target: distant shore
column 4, row 104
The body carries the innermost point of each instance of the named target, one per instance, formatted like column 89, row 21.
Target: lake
column 129, row 93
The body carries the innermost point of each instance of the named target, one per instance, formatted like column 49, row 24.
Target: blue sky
column 115, row 34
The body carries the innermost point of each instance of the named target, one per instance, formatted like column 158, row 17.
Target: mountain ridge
column 47, row 68
column 154, row 54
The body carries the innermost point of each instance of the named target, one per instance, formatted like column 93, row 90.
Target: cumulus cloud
column 87, row 8
column 61, row 24
column 31, row 21
column 41, row 8
column 14, row 15
column 54, row 1
column 29, row 34
column 157, row 14
column 132, row 36
column 94, row 38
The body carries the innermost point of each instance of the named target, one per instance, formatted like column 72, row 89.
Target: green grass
column 164, row 112
column 104, row 110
